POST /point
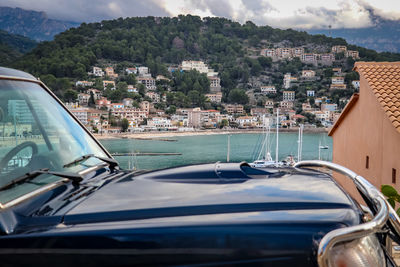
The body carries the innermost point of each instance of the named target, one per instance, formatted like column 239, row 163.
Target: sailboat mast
column 300, row 147
column 298, row 144
column 277, row 136
column 319, row 150
column 229, row 148
column 266, row 138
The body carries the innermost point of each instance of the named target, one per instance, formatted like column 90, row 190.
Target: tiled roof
column 384, row 80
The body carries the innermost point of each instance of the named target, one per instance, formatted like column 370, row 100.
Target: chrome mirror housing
column 384, row 214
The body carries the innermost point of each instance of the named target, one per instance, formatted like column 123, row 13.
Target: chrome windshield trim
column 385, row 213
column 14, row 78
column 93, row 168
column 32, row 194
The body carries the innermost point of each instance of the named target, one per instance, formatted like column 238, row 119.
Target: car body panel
column 199, row 215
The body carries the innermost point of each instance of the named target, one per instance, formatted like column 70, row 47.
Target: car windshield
column 35, row 133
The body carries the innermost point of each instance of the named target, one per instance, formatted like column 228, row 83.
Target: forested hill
column 13, row 46
column 225, row 45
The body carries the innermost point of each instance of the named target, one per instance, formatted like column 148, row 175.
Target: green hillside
column 13, row 46
column 228, row 47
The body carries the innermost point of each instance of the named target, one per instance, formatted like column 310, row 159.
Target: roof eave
column 345, row 111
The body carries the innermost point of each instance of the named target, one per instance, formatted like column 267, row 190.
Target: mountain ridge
column 383, row 36
column 33, row 24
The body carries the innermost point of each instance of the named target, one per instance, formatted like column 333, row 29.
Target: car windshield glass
column 36, row 132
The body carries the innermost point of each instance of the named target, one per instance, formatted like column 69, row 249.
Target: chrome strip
column 93, row 168
column 33, row 194
column 385, row 213
column 22, row 79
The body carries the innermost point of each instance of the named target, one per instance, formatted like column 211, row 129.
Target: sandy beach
column 165, row 134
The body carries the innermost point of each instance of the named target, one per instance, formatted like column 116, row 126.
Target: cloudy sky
column 304, row 14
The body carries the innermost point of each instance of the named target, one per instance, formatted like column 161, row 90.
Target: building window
column 367, row 162
column 393, row 176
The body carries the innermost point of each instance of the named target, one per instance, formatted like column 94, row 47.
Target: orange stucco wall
column 367, row 131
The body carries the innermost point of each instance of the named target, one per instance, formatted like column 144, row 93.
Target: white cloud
column 291, row 13
column 276, row 13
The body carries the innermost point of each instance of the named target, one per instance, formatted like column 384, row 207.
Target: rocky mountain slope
column 383, row 36
column 32, row 24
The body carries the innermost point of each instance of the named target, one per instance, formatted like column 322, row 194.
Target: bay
column 212, row 148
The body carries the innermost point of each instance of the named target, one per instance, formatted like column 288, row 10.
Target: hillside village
column 133, row 100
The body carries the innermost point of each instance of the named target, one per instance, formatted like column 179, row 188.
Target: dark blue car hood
column 214, row 190
column 210, row 214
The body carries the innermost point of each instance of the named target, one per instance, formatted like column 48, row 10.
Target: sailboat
column 321, row 147
column 264, row 158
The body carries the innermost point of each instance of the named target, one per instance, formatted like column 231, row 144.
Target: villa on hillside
column 366, row 136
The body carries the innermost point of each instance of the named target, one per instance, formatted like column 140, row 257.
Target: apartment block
column 339, row 49
column 268, row 89
column 215, row 98
column 288, row 95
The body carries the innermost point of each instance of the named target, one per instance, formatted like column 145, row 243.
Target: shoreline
column 155, row 135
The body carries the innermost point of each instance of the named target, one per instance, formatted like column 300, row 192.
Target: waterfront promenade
column 161, row 134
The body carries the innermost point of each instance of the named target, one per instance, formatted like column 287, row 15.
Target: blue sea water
column 213, row 148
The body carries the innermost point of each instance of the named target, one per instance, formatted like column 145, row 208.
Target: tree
column 91, row 102
column 238, row 96
column 131, row 79
column 194, row 97
column 124, row 124
column 223, row 123
column 122, row 86
column 171, row 110
column 265, row 61
column 70, row 95
column 141, row 89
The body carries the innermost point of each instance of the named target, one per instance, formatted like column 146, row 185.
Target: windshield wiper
column 74, row 177
column 111, row 162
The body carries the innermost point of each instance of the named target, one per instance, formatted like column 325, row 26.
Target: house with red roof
column 366, row 136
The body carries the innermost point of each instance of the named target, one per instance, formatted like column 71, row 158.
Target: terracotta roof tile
column 384, row 80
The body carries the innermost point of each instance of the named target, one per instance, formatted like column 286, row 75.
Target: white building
column 356, row 84
column 131, row 114
column 287, row 80
column 307, row 73
column 215, row 85
column 200, row 66
column 81, row 114
column 132, row 89
column 127, row 102
column 247, row 120
column 339, row 48
column 131, row 70
column 159, row 122
column 155, row 97
column 96, row 93
column 329, row 107
column 337, row 80
column 216, row 98
column 286, row 104
column 83, row 99
column 322, row 115
column 309, row 58
column 98, row 72
column 148, row 82
column 288, row 95
column 311, row 93
column 269, row 103
column 84, row 83
column 268, row 89
column 106, row 83
column 143, row 70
